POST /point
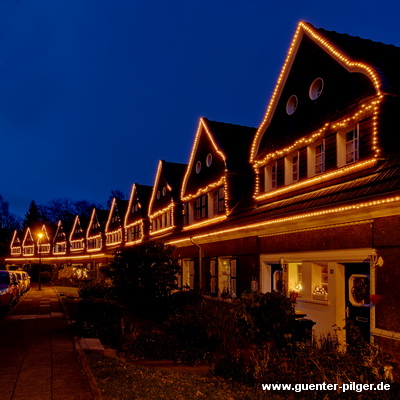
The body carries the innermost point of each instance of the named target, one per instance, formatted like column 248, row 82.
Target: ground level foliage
column 254, row 339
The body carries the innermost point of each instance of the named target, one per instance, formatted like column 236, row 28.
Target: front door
column 357, row 301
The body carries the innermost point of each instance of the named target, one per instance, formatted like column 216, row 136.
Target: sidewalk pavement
column 38, row 358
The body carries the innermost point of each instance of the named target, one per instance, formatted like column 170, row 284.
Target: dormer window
column 201, row 207
column 316, row 158
column 348, row 144
column 218, row 201
column 269, row 177
column 292, row 168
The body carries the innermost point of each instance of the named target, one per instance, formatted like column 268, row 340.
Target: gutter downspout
column 200, row 264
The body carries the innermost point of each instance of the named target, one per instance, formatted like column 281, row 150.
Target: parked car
column 24, row 279
column 9, row 291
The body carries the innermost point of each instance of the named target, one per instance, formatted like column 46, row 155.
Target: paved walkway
column 38, row 359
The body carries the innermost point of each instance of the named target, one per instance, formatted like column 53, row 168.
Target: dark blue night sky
column 94, row 92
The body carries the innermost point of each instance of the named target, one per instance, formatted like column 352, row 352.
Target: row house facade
column 308, row 203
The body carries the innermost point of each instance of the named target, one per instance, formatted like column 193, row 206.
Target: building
column 308, row 203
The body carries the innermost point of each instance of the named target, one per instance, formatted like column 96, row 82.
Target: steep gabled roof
column 83, row 223
column 351, row 53
column 142, row 193
column 384, row 58
column 172, row 175
column 234, row 141
column 229, row 142
column 100, row 216
column 118, row 208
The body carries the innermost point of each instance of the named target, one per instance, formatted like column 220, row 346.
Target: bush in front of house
column 265, row 317
column 96, row 290
column 101, row 319
column 144, row 277
column 204, row 327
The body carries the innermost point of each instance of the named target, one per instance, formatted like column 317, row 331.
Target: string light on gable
column 330, row 48
column 222, row 181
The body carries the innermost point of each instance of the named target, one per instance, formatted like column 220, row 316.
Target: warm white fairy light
column 205, row 222
column 202, row 127
column 350, row 65
column 320, row 178
column 328, row 211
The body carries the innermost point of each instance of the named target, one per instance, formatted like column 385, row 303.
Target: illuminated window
column 295, row 276
column 348, row 143
column 320, row 281
column 316, row 158
column 227, row 277
column 188, row 274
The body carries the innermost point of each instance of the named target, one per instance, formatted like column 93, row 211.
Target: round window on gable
column 316, row 89
column 209, row 159
column 158, row 194
column 291, row 105
column 198, row 167
column 164, row 191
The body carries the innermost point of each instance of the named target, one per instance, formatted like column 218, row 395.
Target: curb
column 94, row 389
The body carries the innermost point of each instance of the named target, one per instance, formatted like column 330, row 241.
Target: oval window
column 316, row 89
column 164, row 191
column 158, row 194
column 291, row 105
column 209, row 159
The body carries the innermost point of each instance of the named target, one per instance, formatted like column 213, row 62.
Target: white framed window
column 227, row 277
column 270, row 177
column 295, row 278
column 292, row 168
column 213, row 280
column 218, row 201
column 320, row 281
column 187, row 274
column 316, row 158
column 348, row 145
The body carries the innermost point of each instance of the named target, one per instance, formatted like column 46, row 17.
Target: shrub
column 204, row 327
column 101, row 319
column 144, row 277
column 265, row 317
column 45, row 276
column 94, row 290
